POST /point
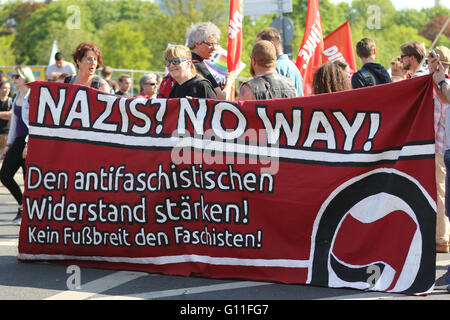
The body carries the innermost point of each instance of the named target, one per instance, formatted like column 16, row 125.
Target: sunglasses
column 175, row 61
column 15, row 76
column 404, row 55
column 150, row 83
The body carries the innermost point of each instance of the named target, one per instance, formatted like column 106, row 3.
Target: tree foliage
column 134, row 33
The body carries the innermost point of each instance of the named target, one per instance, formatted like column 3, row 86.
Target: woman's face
column 5, row 89
column 150, row 86
column 17, row 79
column 89, row 62
column 179, row 67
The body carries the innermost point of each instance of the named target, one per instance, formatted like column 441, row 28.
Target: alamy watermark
column 74, row 19
column 374, row 20
column 253, row 148
column 73, row 282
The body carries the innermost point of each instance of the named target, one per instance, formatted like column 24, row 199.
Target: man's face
column 125, row 85
column 406, row 60
column 59, row 63
column 206, row 48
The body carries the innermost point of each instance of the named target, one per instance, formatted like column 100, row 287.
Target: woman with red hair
column 88, row 58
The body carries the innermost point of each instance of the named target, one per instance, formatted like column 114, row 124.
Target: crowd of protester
column 274, row 76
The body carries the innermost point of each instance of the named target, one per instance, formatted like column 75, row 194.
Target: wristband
column 439, row 85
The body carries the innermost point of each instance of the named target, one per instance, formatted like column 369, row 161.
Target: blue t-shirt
column 287, row 68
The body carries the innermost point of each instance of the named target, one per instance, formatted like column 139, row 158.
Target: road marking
column 9, row 243
column 443, row 263
column 186, row 291
column 100, row 285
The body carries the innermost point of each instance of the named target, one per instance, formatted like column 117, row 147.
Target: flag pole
column 439, row 34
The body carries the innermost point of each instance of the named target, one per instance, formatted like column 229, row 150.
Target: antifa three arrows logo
column 383, row 201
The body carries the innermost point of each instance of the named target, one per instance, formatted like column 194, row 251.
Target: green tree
column 169, row 25
column 123, row 47
column 7, row 57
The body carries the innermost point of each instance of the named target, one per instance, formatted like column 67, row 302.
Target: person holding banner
column 442, row 142
column 439, row 65
column 202, row 39
column 88, row 59
column 285, row 66
column 178, row 61
column 266, row 82
column 15, row 149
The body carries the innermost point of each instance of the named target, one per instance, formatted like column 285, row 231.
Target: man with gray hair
column 202, row 38
column 148, row 86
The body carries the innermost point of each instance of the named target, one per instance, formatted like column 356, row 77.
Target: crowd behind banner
column 274, row 76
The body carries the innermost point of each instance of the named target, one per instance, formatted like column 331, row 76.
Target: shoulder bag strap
column 267, row 85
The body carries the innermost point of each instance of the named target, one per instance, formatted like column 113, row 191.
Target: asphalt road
column 45, row 281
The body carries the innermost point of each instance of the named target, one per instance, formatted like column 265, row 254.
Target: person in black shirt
column 371, row 73
column 5, row 111
column 178, row 60
column 124, row 86
column 202, row 39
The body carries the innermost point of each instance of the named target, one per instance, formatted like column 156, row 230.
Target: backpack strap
column 267, row 85
column 68, row 79
column 368, row 77
column 96, row 82
column 9, row 103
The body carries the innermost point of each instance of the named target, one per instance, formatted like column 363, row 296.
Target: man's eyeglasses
column 211, row 45
column 15, row 76
column 174, row 61
column 404, row 55
column 150, row 83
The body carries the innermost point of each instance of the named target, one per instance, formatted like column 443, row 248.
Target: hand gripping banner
column 334, row 190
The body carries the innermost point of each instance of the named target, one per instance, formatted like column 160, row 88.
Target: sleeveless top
column 21, row 128
column 94, row 84
column 272, row 86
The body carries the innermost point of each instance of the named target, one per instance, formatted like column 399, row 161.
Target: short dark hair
column 59, row 56
column 413, row 48
column 123, row 77
column 107, row 71
column 270, row 34
column 365, row 47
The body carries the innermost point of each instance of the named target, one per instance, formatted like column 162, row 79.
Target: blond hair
column 179, row 51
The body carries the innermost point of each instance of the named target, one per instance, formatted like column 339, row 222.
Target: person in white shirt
column 59, row 67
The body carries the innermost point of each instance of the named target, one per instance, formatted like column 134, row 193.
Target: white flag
column 52, row 54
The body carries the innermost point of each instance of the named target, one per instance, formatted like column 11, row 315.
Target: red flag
column 310, row 54
column 338, row 45
column 234, row 35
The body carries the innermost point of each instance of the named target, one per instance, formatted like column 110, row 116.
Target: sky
column 408, row 4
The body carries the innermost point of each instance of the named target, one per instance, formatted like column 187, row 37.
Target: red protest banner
column 310, row 54
column 338, row 45
column 321, row 194
column 234, row 35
